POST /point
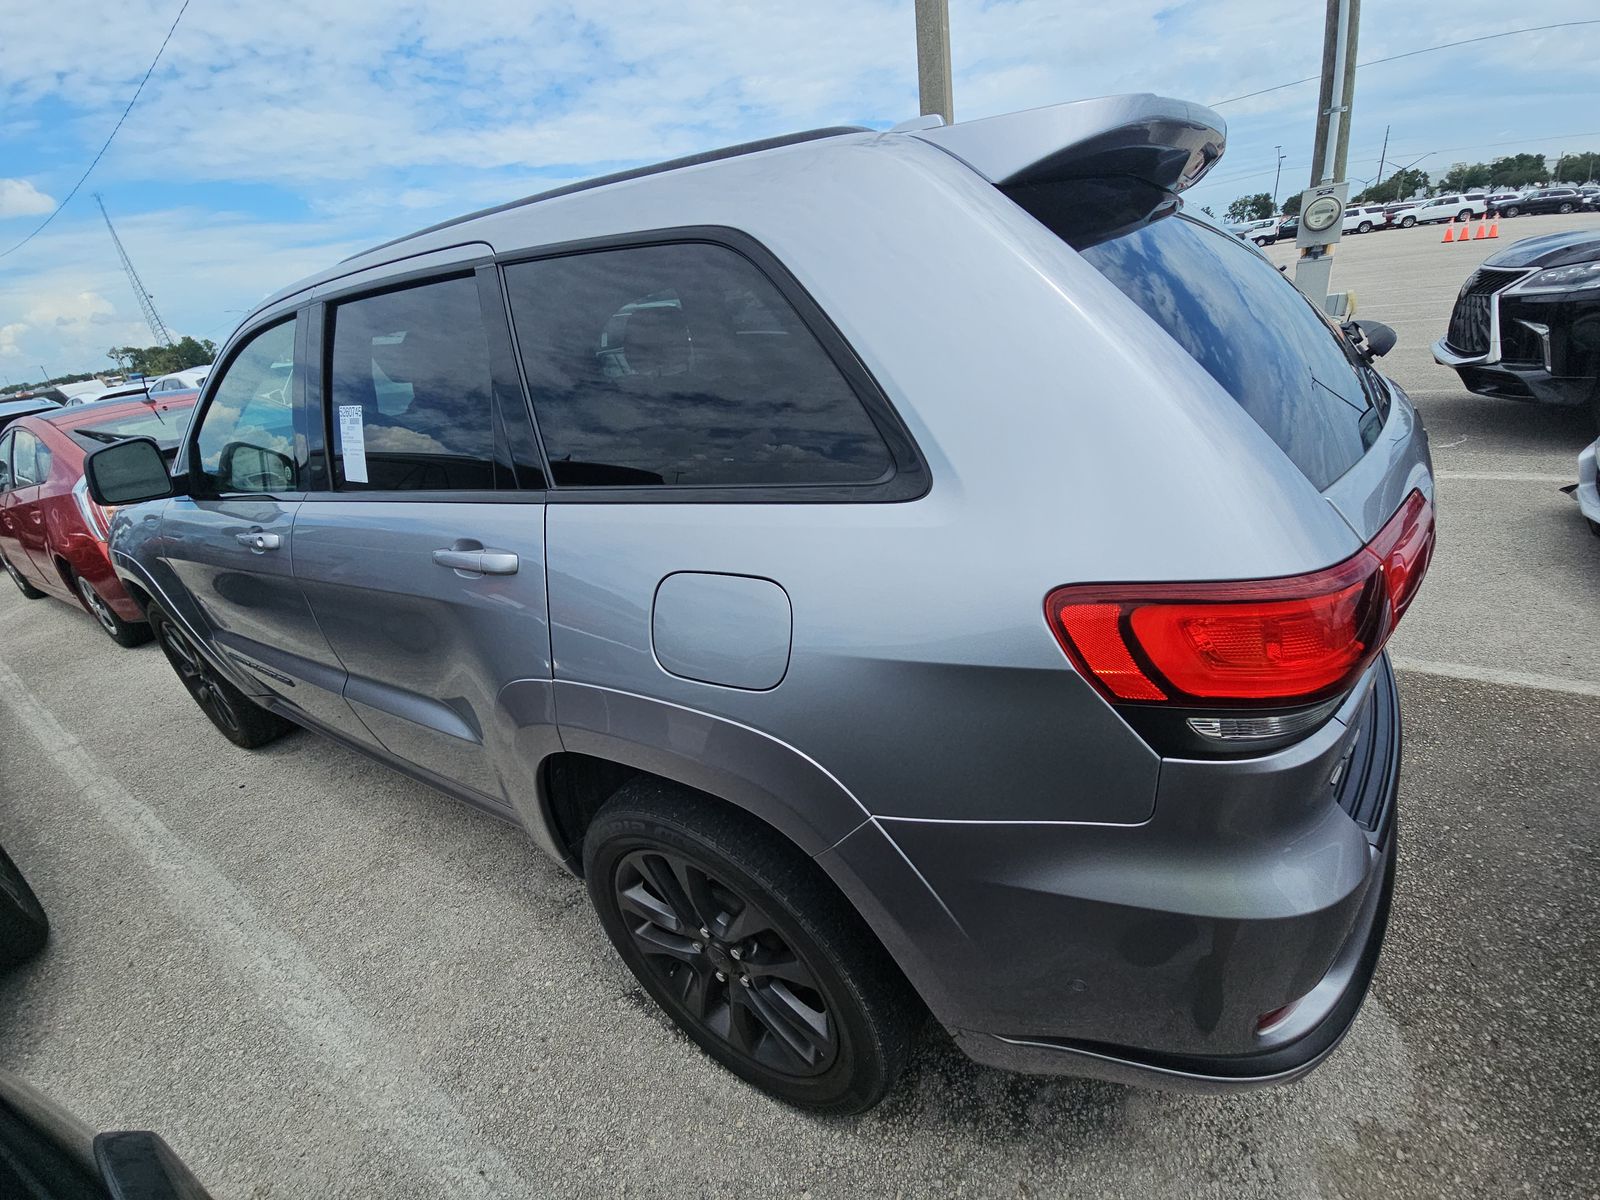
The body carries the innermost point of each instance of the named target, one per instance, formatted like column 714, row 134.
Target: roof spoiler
column 1094, row 169
column 1165, row 143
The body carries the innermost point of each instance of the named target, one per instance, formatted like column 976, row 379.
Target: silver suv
column 903, row 573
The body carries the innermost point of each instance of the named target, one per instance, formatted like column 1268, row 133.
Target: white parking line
column 1513, row 476
column 419, row 1118
column 1495, row 675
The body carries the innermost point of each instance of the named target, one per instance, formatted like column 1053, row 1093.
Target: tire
column 23, row 586
column 237, row 717
column 1566, row 207
column 1511, row 210
column 758, row 903
column 1364, row 227
column 123, row 633
column 1407, row 222
column 1464, row 215
column 23, row 924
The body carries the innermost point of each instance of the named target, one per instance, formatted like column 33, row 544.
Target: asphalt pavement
column 318, row 978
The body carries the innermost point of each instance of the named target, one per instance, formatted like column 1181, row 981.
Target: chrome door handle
column 479, row 562
column 259, row 540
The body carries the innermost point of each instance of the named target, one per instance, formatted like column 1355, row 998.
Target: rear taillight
column 1265, row 644
column 97, row 519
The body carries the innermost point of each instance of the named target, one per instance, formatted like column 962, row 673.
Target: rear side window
column 5, row 461
column 30, row 460
column 410, row 394
column 682, row 365
column 1256, row 335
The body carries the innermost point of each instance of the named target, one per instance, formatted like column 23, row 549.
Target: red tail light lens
column 1275, row 641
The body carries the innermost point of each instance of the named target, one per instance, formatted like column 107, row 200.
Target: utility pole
column 1561, row 158
column 1378, row 182
column 146, row 305
column 1328, row 187
column 933, row 59
column 1276, row 175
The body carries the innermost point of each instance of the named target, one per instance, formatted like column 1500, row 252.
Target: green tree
column 163, row 360
column 1519, row 170
column 1250, row 208
column 1398, row 186
column 1291, row 206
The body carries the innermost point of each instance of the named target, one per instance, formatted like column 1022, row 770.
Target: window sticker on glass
column 354, row 441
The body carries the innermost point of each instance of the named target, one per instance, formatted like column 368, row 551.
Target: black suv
column 1545, row 200
column 1524, row 325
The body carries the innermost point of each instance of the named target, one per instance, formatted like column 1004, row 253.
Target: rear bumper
column 1147, row 954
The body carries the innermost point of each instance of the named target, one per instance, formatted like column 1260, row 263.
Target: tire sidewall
column 856, row 1077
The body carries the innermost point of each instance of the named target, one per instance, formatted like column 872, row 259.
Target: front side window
column 246, row 438
column 5, row 461
column 410, row 395
column 683, row 365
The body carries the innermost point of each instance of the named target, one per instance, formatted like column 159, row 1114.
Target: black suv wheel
column 240, row 719
column 749, row 948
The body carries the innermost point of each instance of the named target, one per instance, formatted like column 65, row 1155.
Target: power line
column 84, row 177
column 1488, row 37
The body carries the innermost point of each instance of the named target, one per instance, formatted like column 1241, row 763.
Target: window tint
column 246, row 439
column 1256, row 335
column 683, row 365
column 410, row 391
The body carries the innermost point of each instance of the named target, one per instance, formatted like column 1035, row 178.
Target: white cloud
column 281, row 144
column 19, row 198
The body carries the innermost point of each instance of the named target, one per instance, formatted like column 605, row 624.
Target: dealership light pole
column 1322, row 204
column 933, row 59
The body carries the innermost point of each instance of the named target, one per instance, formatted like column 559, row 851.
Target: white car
column 1588, row 489
column 1363, row 218
column 181, row 381
column 1455, row 207
column 1263, row 232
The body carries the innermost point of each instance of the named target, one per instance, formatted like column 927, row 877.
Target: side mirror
column 128, row 472
column 253, row 468
column 1375, row 338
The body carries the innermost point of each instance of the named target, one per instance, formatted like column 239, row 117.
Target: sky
column 274, row 139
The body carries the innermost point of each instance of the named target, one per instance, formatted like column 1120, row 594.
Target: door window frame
column 187, row 464
column 515, row 446
column 909, row 477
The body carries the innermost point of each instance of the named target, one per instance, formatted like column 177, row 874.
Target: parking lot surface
column 318, row 978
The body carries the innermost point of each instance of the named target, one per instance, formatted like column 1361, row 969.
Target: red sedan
column 52, row 535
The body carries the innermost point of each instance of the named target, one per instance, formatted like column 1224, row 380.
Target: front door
column 230, row 542
column 423, row 562
column 21, row 517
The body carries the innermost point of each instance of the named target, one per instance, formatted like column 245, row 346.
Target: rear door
column 30, row 467
column 422, row 556
column 230, row 541
column 10, row 542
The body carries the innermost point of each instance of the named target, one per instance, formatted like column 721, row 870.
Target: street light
column 1275, row 176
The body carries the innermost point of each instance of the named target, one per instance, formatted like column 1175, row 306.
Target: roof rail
column 672, row 164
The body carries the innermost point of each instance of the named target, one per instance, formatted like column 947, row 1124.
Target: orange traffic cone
column 1494, row 228
column 1466, row 233
column 1449, row 234
column 1481, row 232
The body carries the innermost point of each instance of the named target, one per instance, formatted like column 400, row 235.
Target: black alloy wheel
column 749, row 948
column 724, row 964
column 23, row 586
column 1566, row 207
column 1512, row 210
column 239, row 719
column 124, row 633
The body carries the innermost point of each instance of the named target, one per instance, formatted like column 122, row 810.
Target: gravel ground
column 318, row 978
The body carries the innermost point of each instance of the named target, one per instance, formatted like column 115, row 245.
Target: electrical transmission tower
column 146, row 305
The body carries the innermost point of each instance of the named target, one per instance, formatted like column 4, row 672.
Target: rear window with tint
column 683, row 366
column 1256, row 335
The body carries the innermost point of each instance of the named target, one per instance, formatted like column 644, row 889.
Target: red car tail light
column 1256, row 643
column 95, row 518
